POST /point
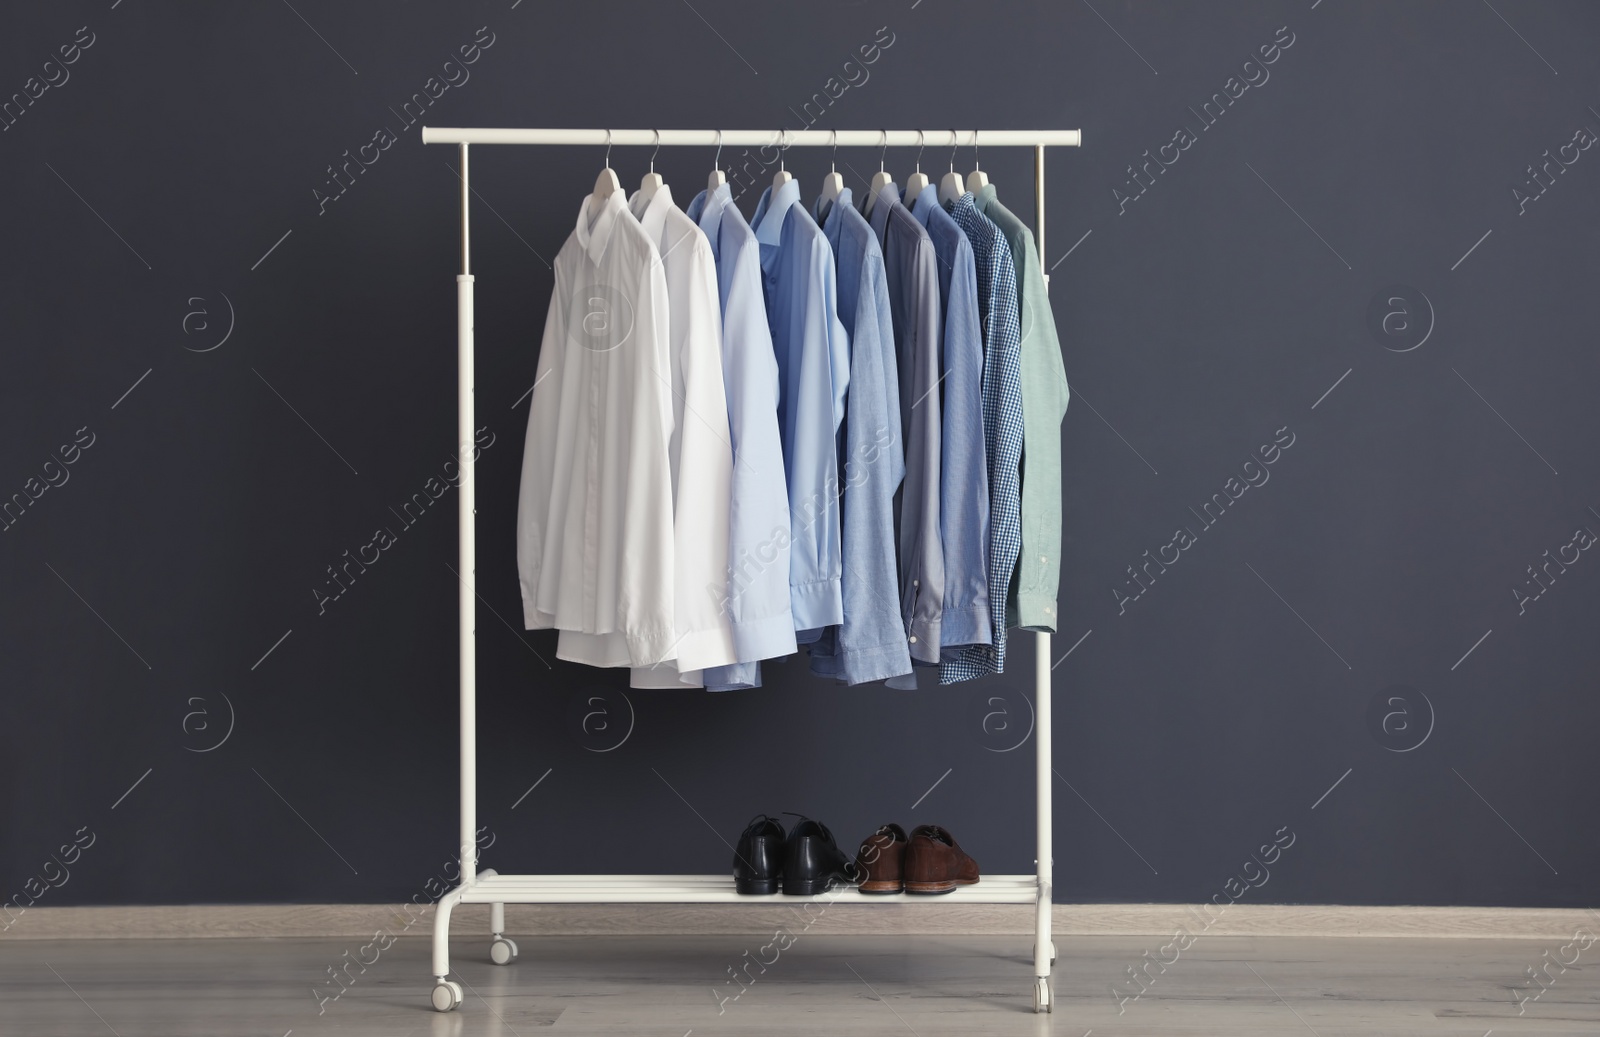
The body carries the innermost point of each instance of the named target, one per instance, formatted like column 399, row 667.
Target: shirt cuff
column 636, row 648
column 699, row 649
column 770, row 638
column 661, row 677
column 593, row 649
column 877, row 663
column 964, row 626
column 1036, row 611
column 737, row 677
column 924, row 641
column 817, row 605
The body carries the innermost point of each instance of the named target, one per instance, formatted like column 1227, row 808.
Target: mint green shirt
column 1031, row 602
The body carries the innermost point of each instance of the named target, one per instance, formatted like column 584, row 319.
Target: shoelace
column 761, row 820
column 803, row 819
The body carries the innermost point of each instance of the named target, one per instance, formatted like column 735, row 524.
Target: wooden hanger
column 977, row 180
column 782, row 176
column 652, row 181
column 880, row 179
column 833, row 183
column 607, row 184
column 717, row 177
column 918, row 180
column 951, row 186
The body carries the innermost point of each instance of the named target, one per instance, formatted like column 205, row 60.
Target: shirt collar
column 594, row 234
column 966, row 201
column 775, row 205
column 984, row 197
column 888, row 198
column 844, row 199
column 924, row 203
column 707, row 210
column 652, row 212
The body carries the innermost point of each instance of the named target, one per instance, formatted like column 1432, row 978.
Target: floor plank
column 669, row 986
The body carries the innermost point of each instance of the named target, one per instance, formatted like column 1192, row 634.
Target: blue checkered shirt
column 1002, row 431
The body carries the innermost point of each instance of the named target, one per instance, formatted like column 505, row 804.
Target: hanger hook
column 717, row 162
column 922, row 145
column 783, row 146
column 884, row 148
column 954, row 141
column 608, row 149
column 975, row 163
column 833, row 160
column 653, row 153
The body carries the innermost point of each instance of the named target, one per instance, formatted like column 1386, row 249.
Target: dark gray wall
column 147, row 598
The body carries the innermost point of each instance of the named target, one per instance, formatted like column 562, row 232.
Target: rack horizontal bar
column 715, row 889
column 757, row 138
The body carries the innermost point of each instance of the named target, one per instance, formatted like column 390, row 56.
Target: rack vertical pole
column 1043, row 946
column 466, row 502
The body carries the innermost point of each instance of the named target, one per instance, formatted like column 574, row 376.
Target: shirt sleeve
column 871, row 644
column 817, row 407
column 646, row 599
column 705, row 464
column 921, row 542
column 1044, row 405
column 757, row 600
column 535, row 503
column 964, row 473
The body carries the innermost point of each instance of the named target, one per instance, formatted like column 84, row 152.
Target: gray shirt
column 912, row 268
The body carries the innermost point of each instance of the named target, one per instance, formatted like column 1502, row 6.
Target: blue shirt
column 913, row 281
column 870, row 644
column 813, row 372
column 963, row 468
column 1002, row 430
column 757, row 598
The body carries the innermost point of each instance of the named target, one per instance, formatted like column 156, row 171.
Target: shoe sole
column 882, row 886
column 811, row 888
column 757, row 888
column 934, row 888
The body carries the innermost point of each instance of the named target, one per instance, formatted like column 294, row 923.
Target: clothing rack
column 488, row 887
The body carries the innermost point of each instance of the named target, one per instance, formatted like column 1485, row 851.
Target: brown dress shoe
column 879, row 860
column 935, row 864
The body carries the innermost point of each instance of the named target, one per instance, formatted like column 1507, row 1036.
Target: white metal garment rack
column 488, row 887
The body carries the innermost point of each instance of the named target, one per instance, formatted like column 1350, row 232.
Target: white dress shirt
column 595, row 547
column 700, row 453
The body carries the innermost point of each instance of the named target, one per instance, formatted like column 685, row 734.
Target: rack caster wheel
column 503, row 951
column 1043, row 999
column 447, row 995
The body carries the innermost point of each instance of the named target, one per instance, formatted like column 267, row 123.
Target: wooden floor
column 664, row 986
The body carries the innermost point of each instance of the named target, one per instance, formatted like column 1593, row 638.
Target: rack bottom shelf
column 716, row 889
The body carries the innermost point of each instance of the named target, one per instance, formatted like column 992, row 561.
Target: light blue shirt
column 913, row 282
column 963, row 469
column 871, row 643
column 757, row 598
column 813, row 358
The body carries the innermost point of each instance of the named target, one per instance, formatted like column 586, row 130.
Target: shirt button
column 913, row 638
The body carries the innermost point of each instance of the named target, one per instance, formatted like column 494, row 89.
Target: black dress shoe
column 812, row 861
column 759, row 859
